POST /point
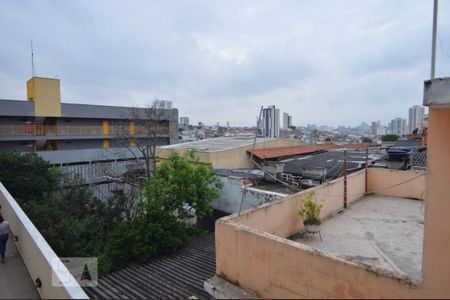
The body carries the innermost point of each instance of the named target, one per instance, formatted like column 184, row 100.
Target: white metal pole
column 433, row 45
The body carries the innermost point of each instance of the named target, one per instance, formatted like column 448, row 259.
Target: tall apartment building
column 82, row 138
column 184, row 122
column 415, row 119
column 377, row 129
column 398, row 126
column 271, row 122
column 287, row 121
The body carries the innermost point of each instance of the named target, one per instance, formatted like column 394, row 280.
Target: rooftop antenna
column 33, row 70
column 433, row 43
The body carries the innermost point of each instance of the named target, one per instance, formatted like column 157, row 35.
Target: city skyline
column 223, row 61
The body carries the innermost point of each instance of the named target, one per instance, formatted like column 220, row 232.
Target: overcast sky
column 327, row 62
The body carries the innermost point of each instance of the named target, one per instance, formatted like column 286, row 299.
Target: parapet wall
column 252, row 250
column 39, row 258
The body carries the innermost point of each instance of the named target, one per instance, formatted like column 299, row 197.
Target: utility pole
column 367, row 166
column 433, row 43
column 345, row 178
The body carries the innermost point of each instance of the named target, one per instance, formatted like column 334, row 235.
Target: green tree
column 183, row 187
column 27, row 176
column 389, row 138
column 366, row 140
column 61, row 206
column 179, row 190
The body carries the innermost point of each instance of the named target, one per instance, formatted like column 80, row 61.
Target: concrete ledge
column 220, row 288
column 437, row 92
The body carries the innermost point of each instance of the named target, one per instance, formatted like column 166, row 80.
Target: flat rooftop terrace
column 386, row 232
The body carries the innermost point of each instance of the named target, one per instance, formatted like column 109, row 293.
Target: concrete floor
column 383, row 231
column 15, row 281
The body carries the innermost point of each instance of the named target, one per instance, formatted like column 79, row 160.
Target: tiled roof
column 419, row 159
column 176, row 276
column 411, row 143
column 333, row 161
column 271, row 153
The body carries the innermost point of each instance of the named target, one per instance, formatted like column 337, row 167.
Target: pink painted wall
column 273, row 267
column 281, row 217
column 251, row 249
column 436, row 261
column 396, row 183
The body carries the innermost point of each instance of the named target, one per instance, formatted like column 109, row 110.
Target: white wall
column 230, row 197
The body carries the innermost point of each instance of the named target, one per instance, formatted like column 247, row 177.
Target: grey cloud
column 221, row 60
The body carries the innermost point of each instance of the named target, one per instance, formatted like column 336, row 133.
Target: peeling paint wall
column 231, row 194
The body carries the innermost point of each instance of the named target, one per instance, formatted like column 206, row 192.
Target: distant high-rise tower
column 377, row 129
column 184, row 121
column 398, row 126
column 415, row 117
column 271, row 122
column 287, row 121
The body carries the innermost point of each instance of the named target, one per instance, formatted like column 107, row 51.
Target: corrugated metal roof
column 218, row 144
column 333, row 161
column 176, row 276
column 271, row 153
column 411, row 143
column 419, row 159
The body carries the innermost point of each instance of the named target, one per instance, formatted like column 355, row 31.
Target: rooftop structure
column 218, row 144
column 223, row 152
column 408, row 153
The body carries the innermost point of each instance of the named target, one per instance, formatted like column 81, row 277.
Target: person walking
column 5, row 230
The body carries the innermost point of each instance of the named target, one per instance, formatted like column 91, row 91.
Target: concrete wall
column 252, row 250
column 79, row 122
column 230, row 197
column 79, row 144
column 15, row 120
column 11, row 146
column 436, row 261
column 273, row 267
column 385, row 182
column 85, row 155
column 37, row 255
column 283, row 214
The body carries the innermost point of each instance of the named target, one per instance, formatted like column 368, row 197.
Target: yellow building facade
column 46, row 95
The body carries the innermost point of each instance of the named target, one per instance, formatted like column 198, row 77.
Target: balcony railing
column 74, row 130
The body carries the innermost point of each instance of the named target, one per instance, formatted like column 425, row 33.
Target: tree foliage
column 366, row 140
column 389, row 138
column 62, row 207
column 119, row 230
column 27, row 177
column 182, row 187
column 179, row 191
